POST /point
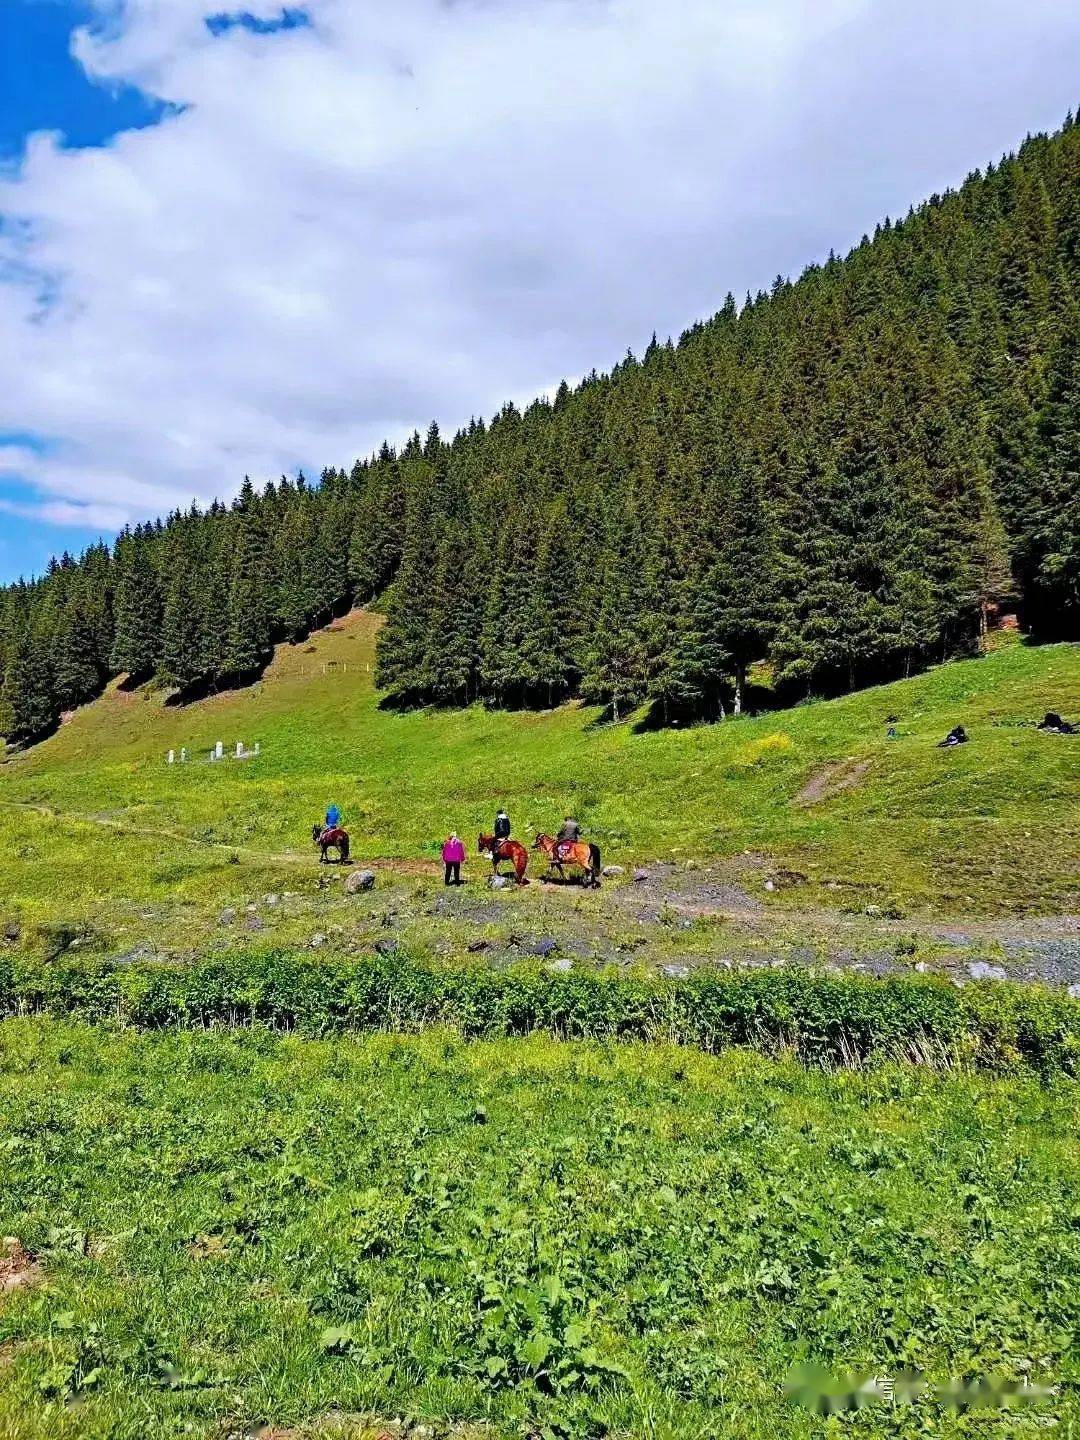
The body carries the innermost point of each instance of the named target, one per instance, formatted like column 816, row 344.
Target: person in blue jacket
column 333, row 817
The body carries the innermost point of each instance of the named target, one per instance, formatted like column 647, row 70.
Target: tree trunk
column 740, row 684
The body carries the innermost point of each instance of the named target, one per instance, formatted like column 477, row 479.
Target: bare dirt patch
column 361, row 1427
column 693, row 892
column 18, row 1268
column 833, row 780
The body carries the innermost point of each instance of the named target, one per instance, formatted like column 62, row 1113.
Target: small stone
column 1073, row 992
column 252, row 906
column 227, row 917
column 386, row 946
column 498, row 882
column 921, row 966
column 691, row 865
column 770, row 885
column 475, row 946
column 873, row 911
column 317, row 941
column 133, row 957
column 613, row 870
column 359, row 880
column 559, row 967
column 676, row 972
column 12, row 931
column 256, row 922
column 980, row 970
column 271, row 899
column 640, row 875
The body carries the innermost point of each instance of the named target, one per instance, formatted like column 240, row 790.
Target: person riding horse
column 569, row 834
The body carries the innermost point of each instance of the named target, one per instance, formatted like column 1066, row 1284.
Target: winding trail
column 124, row 827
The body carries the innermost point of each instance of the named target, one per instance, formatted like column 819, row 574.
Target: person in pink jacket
column 453, row 853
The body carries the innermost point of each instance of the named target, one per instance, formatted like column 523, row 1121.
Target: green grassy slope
column 558, row 1239
column 991, row 826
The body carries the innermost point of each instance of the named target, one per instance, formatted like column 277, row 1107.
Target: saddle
column 564, row 849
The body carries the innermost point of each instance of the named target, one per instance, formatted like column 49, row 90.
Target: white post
column 239, row 749
column 219, row 750
column 172, row 756
column 183, row 755
column 256, row 750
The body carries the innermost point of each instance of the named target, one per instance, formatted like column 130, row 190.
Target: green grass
column 561, row 1239
column 987, row 828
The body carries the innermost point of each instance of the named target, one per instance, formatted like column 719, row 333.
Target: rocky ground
column 666, row 917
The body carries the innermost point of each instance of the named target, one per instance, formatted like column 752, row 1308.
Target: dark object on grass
column 1053, row 724
column 957, row 736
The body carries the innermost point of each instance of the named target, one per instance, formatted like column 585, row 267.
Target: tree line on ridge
column 842, row 478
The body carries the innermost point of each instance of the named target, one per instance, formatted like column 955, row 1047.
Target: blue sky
column 43, row 88
column 269, row 238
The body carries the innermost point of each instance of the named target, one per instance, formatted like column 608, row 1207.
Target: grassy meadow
column 96, row 828
column 239, row 1230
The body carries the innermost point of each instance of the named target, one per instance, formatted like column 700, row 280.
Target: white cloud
column 416, row 208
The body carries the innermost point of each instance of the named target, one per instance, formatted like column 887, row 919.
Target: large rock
column 227, row 916
column 560, row 967
column 640, row 875
column 676, row 972
column 980, row 970
column 610, row 870
column 12, row 931
column 498, row 882
column 359, row 880
column 386, row 946
column 544, row 947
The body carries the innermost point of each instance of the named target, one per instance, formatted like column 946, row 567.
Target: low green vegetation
column 96, row 829
column 546, row 1238
column 823, row 1018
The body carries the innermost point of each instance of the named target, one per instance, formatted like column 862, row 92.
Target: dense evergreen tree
column 843, row 477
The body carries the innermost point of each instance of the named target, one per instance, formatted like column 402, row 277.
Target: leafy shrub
column 824, row 1018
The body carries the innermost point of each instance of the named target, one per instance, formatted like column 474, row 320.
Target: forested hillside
column 842, row 477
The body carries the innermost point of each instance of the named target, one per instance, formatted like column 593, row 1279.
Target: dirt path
column 124, row 827
column 833, row 780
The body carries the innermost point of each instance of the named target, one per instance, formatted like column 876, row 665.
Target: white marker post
column 172, row 756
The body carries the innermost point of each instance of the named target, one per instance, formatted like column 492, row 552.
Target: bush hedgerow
column 825, row 1018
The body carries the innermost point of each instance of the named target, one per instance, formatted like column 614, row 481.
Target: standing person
column 453, row 853
column 502, row 827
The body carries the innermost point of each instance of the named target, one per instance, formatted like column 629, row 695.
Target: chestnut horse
column 331, row 837
column 511, row 850
column 581, row 853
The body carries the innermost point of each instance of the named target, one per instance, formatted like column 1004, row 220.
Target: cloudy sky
column 258, row 240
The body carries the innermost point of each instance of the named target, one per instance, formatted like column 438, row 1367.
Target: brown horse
column 582, row 854
column 511, row 850
column 331, row 837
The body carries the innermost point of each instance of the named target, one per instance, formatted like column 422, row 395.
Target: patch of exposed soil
column 18, row 1268
column 361, row 1427
column 690, row 892
column 832, row 780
